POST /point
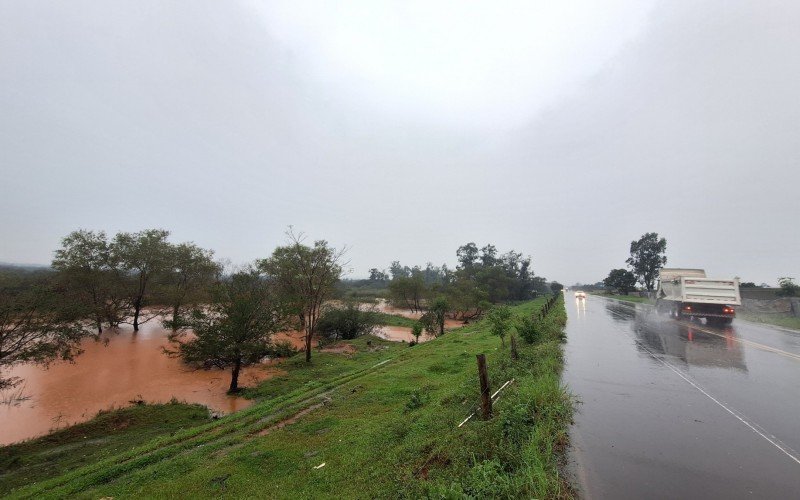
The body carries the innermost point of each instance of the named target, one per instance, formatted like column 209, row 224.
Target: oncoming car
column 580, row 294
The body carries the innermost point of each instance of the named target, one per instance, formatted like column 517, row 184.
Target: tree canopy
column 306, row 277
column 38, row 324
column 647, row 258
column 620, row 279
column 235, row 329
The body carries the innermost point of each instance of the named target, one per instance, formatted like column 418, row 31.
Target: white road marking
column 757, row 345
column 771, row 439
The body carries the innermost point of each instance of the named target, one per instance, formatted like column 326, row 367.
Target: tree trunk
column 235, row 377
column 99, row 321
column 308, row 347
column 175, row 310
column 137, row 308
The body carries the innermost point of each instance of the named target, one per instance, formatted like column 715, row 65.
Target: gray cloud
column 203, row 121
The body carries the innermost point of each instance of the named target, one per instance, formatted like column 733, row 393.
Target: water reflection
column 690, row 345
column 621, row 312
column 580, row 306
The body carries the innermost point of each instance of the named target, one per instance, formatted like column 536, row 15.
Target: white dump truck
column 688, row 293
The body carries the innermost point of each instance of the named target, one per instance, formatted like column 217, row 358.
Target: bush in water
column 347, row 323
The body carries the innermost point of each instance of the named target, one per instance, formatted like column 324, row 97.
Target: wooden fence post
column 514, row 354
column 486, row 392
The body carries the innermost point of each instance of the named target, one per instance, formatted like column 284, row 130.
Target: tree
column 37, row 325
column 408, row 291
column 439, row 309
column 143, row 257
column 306, row 277
column 416, row 331
column 647, row 258
column 467, row 256
column 376, row 274
column 347, row 323
column 748, row 284
column 556, row 287
column 83, row 264
column 398, row 271
column 499, row 318
column 465, row 298
column 235, row 330
column 788, row 287
column 620, row 279
column 191, row 271
column 434, row 318
column 488, row 255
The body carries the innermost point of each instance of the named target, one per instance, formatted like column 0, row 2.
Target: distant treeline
column 482, row 277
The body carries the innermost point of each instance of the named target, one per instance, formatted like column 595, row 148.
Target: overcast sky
column 563, row 130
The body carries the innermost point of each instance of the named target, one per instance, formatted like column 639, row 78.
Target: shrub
column 788, row 287
column 347, row 323
column 283, row 349
column 416, row 331
column 499, row 318
column 416, row 401
column 529, row 331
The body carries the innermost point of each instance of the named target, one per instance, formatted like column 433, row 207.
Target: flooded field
column 400, row 334
column 125, row 367
column 130, row 367
column 383, row 305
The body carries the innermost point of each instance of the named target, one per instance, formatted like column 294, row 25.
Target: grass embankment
column 383, row 421
column 771, row 319
column 107, row 434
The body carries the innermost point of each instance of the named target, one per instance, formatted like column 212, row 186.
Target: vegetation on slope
column 381, row 421
column 107, row 434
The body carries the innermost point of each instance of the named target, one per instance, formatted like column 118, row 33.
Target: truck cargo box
column 699, row 290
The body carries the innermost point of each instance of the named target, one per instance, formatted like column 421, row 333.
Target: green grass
column 324, row 366
column 772, row 319
column 105, row 435
column 384, row 422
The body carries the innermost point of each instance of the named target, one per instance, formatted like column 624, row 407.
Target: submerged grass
column 387, row 319
column 383, row 423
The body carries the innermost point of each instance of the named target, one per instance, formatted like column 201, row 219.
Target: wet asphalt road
column 672, row 409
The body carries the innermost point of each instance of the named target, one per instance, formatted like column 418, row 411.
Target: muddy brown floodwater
column 129, row 367
column 401, row 333
column 124, row 367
